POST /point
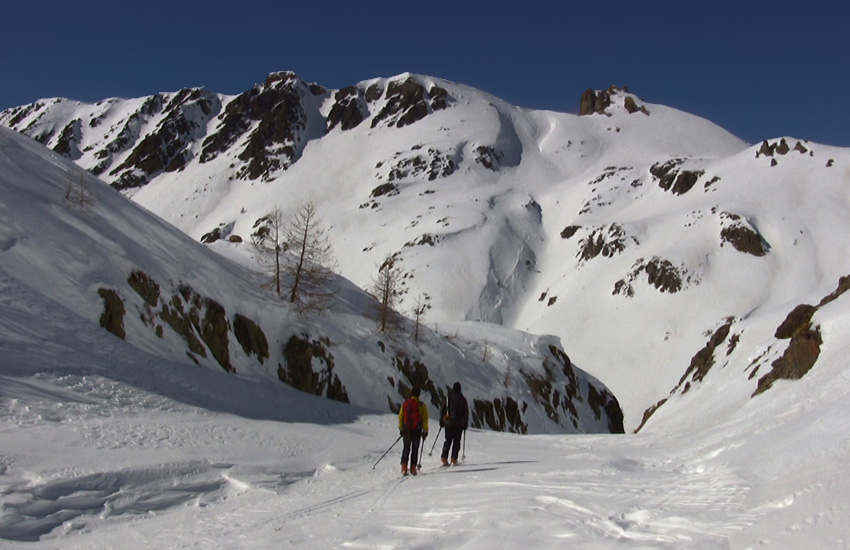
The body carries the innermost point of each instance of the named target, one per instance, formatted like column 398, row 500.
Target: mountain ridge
column 547, row 222
column 107, row 261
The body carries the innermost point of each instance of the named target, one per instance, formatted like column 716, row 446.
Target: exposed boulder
column 112, row 318
column 593, row 102
column 672, row 178
column 251, row 337
column 299, row 371
column 742, row 235
column 597, row 101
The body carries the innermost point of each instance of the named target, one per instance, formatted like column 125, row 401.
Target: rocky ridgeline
column 264, row 129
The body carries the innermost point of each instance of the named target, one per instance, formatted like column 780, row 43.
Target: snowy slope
column 178, row 300
column 632, row 232
column 125, row 443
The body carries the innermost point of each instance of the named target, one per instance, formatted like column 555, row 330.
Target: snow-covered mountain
column 632, row 231
column 695, row 275
column 90, row 251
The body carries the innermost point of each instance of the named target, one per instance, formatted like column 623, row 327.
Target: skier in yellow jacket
column 413, row 427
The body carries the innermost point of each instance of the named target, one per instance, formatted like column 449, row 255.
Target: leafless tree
column 309, row 264
column 78, row 194
column 422, row 304
column 387, row 288
column 269, row 246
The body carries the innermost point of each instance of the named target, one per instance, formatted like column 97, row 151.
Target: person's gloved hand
column 424, row 435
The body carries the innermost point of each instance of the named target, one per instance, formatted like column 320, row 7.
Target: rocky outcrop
column 605, row 241
column 489, row 157
column 594, row 102
column 279, row 120
column 555, row 388
column 407, row 102
column 432, row 164
column 69, row 140
column 660, row 273
column 674, row 179
column 349, row 110
column 598, row 101
column 805, row 341
column 300, row 354
column 167, row 148
column 112, row 318
column 251, row 337
column 740, row 233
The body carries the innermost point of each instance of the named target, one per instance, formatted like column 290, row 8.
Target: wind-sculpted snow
column 38, row 510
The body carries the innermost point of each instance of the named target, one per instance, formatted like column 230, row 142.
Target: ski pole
column 431, row 452
column 386, row 453
column 421, row 452
column 464, row 445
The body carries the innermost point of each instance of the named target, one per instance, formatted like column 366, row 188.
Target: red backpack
column 410, row 416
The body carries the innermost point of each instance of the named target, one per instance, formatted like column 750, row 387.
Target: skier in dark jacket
column 455, row 420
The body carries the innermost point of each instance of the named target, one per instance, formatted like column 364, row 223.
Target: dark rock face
column 781, row 148
column 166, row 149
column 660, row 273
column 593, row 102
column 605, row 241
column 569, row 231
column 671, row 178
column 407, row 102
column 489, row 157
column 349, row 110
column 805, row 341
column 433, row 163
column 200, row 321
column 298, row 372
column 384, row 190
column 558, row 390
column 498, row 416
column 69, row 140
column 278, row 138
column 251, row 337
column 596, row 102
column 632, row 107
column 701, row 364
column 112, row 318
column 742, row 236
column 802, row 352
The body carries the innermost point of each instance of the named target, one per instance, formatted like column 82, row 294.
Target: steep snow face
column 632, row 233
column 71, row 241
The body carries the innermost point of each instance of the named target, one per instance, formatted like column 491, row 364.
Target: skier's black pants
column 410, row 451
column 453, row 434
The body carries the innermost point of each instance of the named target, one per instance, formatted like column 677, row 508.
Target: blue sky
column 759, row 69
